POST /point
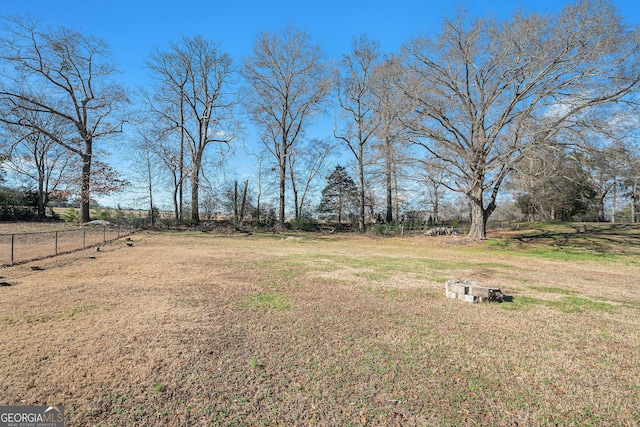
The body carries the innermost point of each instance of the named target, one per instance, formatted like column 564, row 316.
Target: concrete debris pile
column 471, row 291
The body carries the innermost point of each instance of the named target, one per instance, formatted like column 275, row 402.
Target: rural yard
column 194, row 328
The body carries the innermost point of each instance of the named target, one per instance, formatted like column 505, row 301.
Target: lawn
column 195, row 328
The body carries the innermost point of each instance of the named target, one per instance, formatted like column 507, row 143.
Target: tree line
column 540, row 106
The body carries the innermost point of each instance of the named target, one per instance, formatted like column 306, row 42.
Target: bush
column 136, row 221
column 304, row 223
column 382, row 229
column 71, row 216
column 18, row 204
column 103, row 214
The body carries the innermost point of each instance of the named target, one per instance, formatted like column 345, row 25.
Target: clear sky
column 132, row 28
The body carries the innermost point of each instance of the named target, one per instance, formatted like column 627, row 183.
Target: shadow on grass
column 596, row 238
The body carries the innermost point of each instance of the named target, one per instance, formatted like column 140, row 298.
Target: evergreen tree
column 339, row 194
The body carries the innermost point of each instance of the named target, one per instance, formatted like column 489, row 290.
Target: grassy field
column 185, row 329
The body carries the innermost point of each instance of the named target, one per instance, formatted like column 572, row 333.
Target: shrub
column 71, row 215
column 304, row 223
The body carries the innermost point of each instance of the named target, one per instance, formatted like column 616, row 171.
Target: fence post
column 12, row 246
column 56, row 252
column 84, row 238
column 104, row 234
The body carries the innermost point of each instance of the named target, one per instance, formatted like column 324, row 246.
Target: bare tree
column 537, row 182
column 632, row 185
column 192, row 99
column 166, row 103
column 149, row 167
column 433, row 174
column 355, row 95
column 484, row 91
column 604, row 169
column 64, row 74
column 260, row 184
column 36, row 157
column 288, row 84
column 389, row 107
column 549, row 182
column 305, row 165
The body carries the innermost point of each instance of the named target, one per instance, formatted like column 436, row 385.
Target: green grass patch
column 272, row 301
column 383, row 267
column 553, row 290
column 384, row 292
column 568, row 304
column 373, row 276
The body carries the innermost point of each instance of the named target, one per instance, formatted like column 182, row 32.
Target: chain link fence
column 17, row 248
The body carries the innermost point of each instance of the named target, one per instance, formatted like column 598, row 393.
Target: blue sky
column 133, row 28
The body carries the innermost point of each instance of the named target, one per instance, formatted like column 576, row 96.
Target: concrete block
column 478, row 291
column 458, row 288
column 471, row 291
column 467, row 298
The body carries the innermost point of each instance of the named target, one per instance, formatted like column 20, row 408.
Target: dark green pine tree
column 340, row 193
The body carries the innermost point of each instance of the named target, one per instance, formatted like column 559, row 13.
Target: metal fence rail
column 17, row 248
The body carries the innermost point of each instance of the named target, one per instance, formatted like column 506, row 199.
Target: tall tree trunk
column 244, row 200
column 152, row 213
column 435, row 201
column 42, row 196
column 479, row 215
column 283, row 178
column 195, row 189
column 176, row 206
column 361, row 217
column 478, row 230
column 258, row 209
column 601, row 208
column 614, row 201
column 236, row 218
column 85, row 184
column 387, row 171
column 294, row 190
column 397, row 204
column 634, row 200
column 181, row 160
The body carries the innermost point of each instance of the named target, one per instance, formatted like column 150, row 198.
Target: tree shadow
column 600, row 238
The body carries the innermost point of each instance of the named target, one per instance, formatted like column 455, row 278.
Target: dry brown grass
column 200, row 329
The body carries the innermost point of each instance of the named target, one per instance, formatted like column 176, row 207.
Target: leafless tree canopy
column 358, row 106
column 483, row 91
column 482, row 107
column 288, row 83
column 192, row 99
column 64, row 74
